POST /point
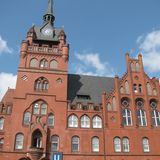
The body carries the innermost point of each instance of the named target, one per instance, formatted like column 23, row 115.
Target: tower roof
column 49, row 17
column 50, row 7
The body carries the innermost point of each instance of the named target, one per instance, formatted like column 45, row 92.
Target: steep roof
column 88, row 89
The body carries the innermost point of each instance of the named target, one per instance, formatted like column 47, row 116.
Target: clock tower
column 44, row 53
column 41, row 90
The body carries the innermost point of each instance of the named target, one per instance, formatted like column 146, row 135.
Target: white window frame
column 73, row 121
column 36, row 108
column 85, row 121
column 97, row 122
column 43, row 109
column 142, row 117
column 117, row 144
column 95, row 144
column 19, row 141
column 125, row 144
column 1, row 123
column 27, row 118
column 55, row 142
column 75, row 141
column 155, row 118
column 50, row 118
column 145, row 144
column 126, row 117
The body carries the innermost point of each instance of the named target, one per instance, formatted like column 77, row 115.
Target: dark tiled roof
column 90, row 86
column 40, row 36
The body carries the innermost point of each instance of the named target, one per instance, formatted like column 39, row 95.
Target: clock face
column 47, row 31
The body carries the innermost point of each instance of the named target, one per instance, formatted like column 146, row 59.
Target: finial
column 49, row 17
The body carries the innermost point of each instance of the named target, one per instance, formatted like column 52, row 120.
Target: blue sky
column 99, row 32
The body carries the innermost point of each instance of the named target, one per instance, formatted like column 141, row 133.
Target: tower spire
column 49, row 17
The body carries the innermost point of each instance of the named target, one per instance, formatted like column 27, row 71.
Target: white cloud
column 4, row 47
column 6, row 80
column 150, row 46
column 90, row 64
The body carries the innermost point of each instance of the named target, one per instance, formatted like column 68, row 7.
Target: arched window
column 43, row 109
column 126, row 117
column 155, row 118
column 41, row 84
column 85, row 122
column 1, row 123
column 125, row 144
column 135, row 88
column 54, row 143
column 72, row 121
column 122, row 90
column 140, row 88
column 154, row 92
column 109, row 108
column 145, row 145
column 19, row 141
column 97, row 122
column 33, row 63
column 149, row 90
column 133, row 67
column 95, row 144
column 114, row 103
column 37, row 139
column 117, row 144
column 137, row 67
column 127, row 87
column 53, row 64
column 36, row 108
column 43, row 63
column 27, row 118
column 50, row 120
column 155, row 113
column 75, row 144
column 141, row 114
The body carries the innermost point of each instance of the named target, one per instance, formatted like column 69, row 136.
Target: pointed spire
column 49, row 17
column 50, row 7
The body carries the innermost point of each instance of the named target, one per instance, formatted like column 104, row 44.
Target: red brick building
column 53, row 115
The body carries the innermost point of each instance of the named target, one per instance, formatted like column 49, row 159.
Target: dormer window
column 84, row 97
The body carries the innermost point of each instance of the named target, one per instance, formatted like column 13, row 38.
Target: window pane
column 97, row 122
column 43, row 109
column 117, row 144
column 126, row 117
column 145, row 143
column 51, row 120
column 33, row 63
column 55, row 143
column 72, row 121
column 125, row 145
column 85, row 122
column 36, row 108
column 75, row 144
column 1, row 123
column 53, row 64
column 27, row 118
column 19, row 141
column 95, row 144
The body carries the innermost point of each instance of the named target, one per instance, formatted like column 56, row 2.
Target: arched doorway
column 37, row 139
